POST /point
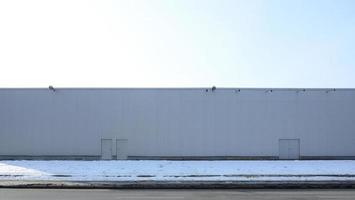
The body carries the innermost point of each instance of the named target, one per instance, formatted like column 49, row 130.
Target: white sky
column 181, row 43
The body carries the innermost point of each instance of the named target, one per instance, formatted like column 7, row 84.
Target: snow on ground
column 177, row 170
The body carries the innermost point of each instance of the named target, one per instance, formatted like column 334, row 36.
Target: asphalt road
column 70, row 194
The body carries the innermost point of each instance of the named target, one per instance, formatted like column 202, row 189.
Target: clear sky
column 177, row 43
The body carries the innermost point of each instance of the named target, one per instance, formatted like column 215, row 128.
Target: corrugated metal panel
column 177, row 122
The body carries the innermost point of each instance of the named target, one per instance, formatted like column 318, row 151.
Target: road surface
column 71, row 194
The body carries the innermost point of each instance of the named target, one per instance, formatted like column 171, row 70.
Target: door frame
column 125, row 140
column 299, row 148
column 102, row 139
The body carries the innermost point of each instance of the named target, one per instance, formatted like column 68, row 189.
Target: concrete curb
column 180, row 184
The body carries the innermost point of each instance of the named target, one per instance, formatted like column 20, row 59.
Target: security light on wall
column 330, row 90
column 302, row 90
column 213, row 88
column 51, row 88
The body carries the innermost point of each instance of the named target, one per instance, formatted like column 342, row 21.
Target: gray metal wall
column 177, row 122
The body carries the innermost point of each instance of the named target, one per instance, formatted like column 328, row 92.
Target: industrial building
column 177, row 123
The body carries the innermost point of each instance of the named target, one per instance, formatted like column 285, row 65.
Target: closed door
column 289, row 149
column 106, row 149
column 121, row 149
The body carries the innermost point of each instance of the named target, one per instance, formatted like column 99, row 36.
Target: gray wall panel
column 177, row 122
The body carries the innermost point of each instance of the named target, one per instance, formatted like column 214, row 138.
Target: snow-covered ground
column 177, row 170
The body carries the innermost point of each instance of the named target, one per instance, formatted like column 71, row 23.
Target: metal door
column 289, row 149
column 106, row 149
column 121, row 149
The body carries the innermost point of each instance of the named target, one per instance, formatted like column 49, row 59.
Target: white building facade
column 177, row 123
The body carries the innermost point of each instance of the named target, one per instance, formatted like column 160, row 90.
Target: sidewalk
column 177, row 174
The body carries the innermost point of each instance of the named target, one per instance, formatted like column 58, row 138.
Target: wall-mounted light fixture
column 51, row 88
column 213, row 88
column 237, row 90
column 330, row 90
column 267, row 91
column 300, row 90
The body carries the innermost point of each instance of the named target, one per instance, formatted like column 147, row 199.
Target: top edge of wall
column 178, row 88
